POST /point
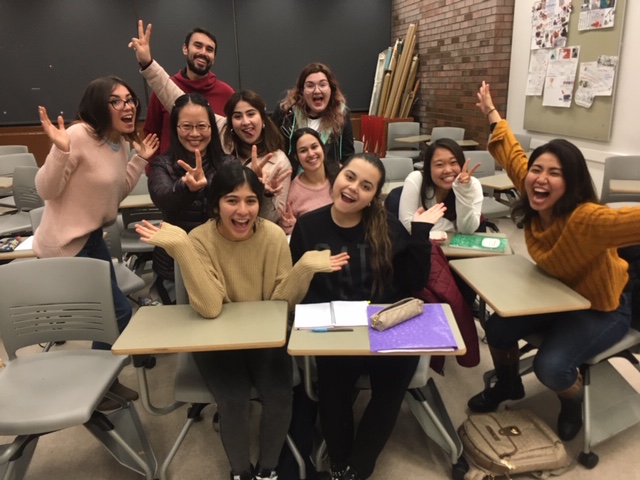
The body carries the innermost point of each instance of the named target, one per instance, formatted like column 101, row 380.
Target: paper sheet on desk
column 26, row 244
column 331, row 314
column 428, row 331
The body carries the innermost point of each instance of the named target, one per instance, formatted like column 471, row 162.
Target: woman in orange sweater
column 575, row 239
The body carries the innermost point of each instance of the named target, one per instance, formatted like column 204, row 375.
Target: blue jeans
column 97, row 248
column 570, row 338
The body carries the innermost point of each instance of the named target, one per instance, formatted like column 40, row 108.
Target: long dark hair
column 176, row 150
column 94, row 108
column 271, row 139
column 579, row 186
column 230, row 176
column 374, row 218
column 428, row 186
column 330, row 168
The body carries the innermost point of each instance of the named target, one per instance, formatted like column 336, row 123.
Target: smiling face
column 317, row 92
column 444, row 169
column 194, row 131
column 238, row 211
column 200, row 53
column 246, row 122
column 122, row 121
column 545, row 184
column 355, row 187
column 310, row 153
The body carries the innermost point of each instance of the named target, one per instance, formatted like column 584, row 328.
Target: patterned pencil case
column 396, row 313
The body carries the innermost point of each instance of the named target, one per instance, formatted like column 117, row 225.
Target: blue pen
column 327, row 330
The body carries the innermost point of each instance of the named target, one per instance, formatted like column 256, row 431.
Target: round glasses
column 188, row 128
column 119, row 104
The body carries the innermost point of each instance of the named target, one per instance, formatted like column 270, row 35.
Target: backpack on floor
column 511, row 442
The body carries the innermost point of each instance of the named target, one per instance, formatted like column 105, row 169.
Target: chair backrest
column 10, row 161
column 402, row 129
column 24, row 189
column 486, row 161
column 112, row 239
column 624, row 167
column 35, row 215
column 9, row 149
column 397, row 168
column 56, row 299
column 454, row 133
column 524, row 140
column 358, row 146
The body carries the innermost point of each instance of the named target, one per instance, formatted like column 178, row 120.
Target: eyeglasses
column 187, row 127
column 119, row 104
column 310, row 86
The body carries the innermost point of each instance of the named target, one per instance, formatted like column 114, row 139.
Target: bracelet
column 492, row 110
column 144, row 67
column 145, row 159
column 268, row 194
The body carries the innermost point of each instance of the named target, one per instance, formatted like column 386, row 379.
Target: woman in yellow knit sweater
column 575, row 239
column 235, row 257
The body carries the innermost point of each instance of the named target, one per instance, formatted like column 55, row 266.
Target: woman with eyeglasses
column 316, row 101
column 179, row 179
column 85, row 177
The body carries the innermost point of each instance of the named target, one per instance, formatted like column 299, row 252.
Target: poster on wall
column 537, row 72
column 561, row 75
column 596, row 14
column 550, row 23
column 596, row 80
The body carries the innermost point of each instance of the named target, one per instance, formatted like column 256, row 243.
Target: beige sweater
column 216, row 270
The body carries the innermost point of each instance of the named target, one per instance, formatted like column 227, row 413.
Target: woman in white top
column 446, row 178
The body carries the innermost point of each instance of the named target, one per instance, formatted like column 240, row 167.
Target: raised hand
column 287, row 219
column 273, row 182
column 432, row 215
column 465, row 173
column 256, row 165
column 195, row 179
column 146, row 230
column 147, row 148
column 338, row 261
column 142, row 45
column 59, row 135
column 485, row 103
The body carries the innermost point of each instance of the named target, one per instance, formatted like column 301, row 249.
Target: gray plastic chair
column 27, row 198
column 126, row 278
column 9, row 149
column 53, row 300
column 8, row 163
column 403, row 149
column 358, row 146
column 454, row 133
column 623, row 167
column 491, row 208
column 397, row 168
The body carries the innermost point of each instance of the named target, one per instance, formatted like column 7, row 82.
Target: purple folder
column 428, row 331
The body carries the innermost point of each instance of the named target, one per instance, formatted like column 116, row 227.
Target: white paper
column 350, row 314
column 26, row 244
column 537, row 71
column 331, row 314
column 596, row 80
column 561, row 75
column 597, row 14
column 550, row 23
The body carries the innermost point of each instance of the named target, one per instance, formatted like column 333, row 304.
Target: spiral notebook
column 479, row 242
column 428, row 331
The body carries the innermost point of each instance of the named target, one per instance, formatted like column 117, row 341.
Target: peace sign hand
column 273, row 182
column 58, row 136
column 142, row 45
column 195, row 179
column 287, row 218
column 465, row 176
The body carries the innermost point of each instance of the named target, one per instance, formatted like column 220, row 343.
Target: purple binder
column 428, row 331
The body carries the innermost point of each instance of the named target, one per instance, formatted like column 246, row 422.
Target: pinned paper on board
column 550, row 23
column 561, row 75
column 596, row 80
column 597, row 14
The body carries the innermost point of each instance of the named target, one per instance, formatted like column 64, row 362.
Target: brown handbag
column 396, row 313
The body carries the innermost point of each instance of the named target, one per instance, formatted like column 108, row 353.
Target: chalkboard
column 591, row 123
column 50, row 50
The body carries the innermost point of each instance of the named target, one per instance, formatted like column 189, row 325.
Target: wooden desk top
column 6, row 182
column 414, row 139
column 388, row 186
column 512, row 285
column 356, row 342
column 18, row 253
column 455, row 252
column 179, row 328
column 624, row 186
column 137, row 201
column 501, row 181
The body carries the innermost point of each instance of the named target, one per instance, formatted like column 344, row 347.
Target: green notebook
column 479, row 242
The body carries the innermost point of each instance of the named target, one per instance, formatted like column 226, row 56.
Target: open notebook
column 331, row 315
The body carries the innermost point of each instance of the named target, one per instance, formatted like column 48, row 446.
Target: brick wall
column 461, row 43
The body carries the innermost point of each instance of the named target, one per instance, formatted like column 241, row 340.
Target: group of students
column 224, row 183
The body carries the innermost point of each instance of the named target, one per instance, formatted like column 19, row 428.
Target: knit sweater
column 82, row 190
column 305, row 198
column 579, row 249
column 217, row 270
column 468, row 204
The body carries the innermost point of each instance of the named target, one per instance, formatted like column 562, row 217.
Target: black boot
column 570, row 418
column 508, row 385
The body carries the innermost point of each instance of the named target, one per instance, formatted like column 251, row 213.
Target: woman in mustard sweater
column 235, row 257
column 575, row 239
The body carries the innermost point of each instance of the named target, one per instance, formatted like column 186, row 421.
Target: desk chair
column 126, row 278
column 27, row 198
column 491, row 208
column 620, row 167
column 8, row 163
column 524, row 140
column 52, row 300
column 454, row 133
column 403, row 149
column 358, row 146
column 9, row 149
column 397, row 168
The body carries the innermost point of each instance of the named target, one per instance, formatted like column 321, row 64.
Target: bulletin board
column 591, row 123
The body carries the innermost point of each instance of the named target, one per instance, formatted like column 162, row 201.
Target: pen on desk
column 327, row 330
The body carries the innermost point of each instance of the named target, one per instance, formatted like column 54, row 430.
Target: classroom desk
column 179, row 328
column 6, row 183
column 512, row 285
column 137, row 201
column 455, row 252
column 388, row 186
column 7, row 256
column 465, row 144
column 498, row 183
column 414, row 139
column 624, row 186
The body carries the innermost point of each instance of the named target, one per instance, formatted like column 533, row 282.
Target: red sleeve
column 153, row 122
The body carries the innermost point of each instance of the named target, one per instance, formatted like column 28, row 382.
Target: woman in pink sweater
column 87, row 174
column 311, row 189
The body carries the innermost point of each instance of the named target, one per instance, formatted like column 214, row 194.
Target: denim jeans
column 570, row 338
column 97, row 248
